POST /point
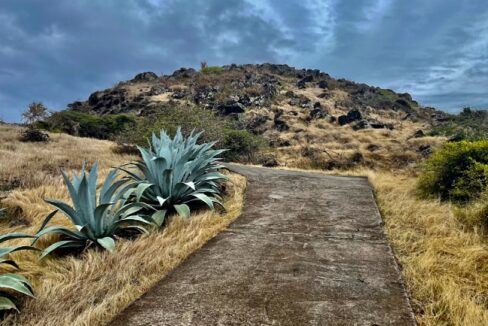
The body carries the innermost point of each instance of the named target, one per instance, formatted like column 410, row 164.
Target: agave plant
column 9, row 281
column 175, row 173
column 97, row 221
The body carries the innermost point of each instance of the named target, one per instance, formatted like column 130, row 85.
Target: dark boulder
column 353, row 115
column 342, row 120
column 302, row 82
column 419, row 134
column 361, row 124
column 269, row 160
column 425, row 150
column 256, row 124
column 280, row 125
column 322, row 84
column 455, row 138
column 184, row 73
column 373, row 147
column 231, row 108
column 145, row 76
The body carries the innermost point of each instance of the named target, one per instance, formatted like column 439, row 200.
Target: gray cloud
column 59, row 51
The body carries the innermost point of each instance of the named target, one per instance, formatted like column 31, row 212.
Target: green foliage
column 87, row 125
column 96, row 221
column 242, row 145
column 35, row 112
column 459, row 171
column 211, row 69
column 176, row 173
column 474, row 215
column 9, row 281
column 389, row 94
column 468, row 125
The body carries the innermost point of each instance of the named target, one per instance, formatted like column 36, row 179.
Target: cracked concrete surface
column 308, row 249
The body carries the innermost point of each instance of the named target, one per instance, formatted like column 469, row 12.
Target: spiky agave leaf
column 9, row 281
column 98, row 219
column 176, row 173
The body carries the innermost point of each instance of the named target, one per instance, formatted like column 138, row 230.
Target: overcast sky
column 59, row 51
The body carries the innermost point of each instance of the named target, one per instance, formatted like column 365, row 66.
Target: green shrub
column 459, row 171
column 212, row 70
column 175, row 174
column 87, row 125
column 470, row 125
column 242, row 145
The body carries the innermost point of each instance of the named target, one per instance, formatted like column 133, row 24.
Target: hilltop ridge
column 306, row 116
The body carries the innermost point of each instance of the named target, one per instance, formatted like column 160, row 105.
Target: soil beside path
column 308, row 249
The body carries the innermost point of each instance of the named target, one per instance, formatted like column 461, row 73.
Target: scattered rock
column 373, row 147
column 317, row 113
column 455, row 138
column 361, row 124
column 357, row 158
column 184, row 73
column 322, row 84
column 269, row 160
column 256, row 124
column 353, row 115
column 419, row 134
column 280, row 125
column 178, row 94
column 283, row 143
column 145, row 76
column 425, row 150
column 231, row 108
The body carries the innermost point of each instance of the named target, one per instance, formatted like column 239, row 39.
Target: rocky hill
column 305, row 115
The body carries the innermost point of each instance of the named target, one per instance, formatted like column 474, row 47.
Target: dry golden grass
column 445, row 263
column 92, row 288
column 30, row 165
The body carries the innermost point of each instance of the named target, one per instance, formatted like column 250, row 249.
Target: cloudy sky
column 59, row 51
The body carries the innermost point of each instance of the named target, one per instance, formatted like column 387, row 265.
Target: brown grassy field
column 321, row 144
column 445, row 262
column 92, row 288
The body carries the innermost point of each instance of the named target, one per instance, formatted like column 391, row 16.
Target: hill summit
column 303, row 114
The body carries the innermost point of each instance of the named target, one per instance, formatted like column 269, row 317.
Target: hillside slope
column 305, row 115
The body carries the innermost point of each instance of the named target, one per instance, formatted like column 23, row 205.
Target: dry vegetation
column 92, row 288
column 322, row 144
column 445, row 263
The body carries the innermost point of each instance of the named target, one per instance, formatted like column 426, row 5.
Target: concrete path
column 309, row 249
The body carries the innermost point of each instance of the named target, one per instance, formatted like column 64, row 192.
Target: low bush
column 34, row 135
column 459, row 171
column 87, row 125
column 469, row 124
column 243, row 146
column 212, row 70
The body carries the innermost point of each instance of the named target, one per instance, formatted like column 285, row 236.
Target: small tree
column 35, row 112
